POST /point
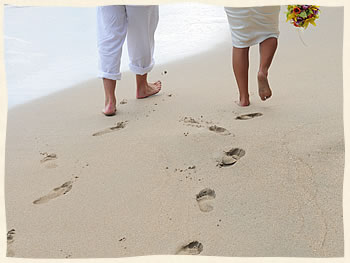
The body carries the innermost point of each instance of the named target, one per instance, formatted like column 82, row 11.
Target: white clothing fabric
column 252, row 25
column 114, row 23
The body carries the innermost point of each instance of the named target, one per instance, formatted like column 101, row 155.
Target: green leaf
column 303, row 14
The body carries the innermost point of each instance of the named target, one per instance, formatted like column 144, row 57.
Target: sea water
column 48, row 49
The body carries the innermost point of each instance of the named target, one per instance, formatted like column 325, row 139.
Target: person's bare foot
column 148, row 89
column 110, row 99
column 243, row 102
column 110, row 108
column 264, row 87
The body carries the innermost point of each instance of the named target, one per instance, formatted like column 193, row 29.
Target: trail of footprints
column 60, row 190
column 200, row 123
column 122, row 124
column 204, row 198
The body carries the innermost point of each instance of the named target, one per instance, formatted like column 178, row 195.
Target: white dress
column 252, row 25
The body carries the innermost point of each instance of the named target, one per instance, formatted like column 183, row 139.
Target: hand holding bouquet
column 302, row 15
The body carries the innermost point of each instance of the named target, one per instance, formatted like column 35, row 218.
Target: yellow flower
column 291, row 16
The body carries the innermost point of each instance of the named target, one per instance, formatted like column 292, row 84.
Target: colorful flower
column 302, row 15
column 296, row 10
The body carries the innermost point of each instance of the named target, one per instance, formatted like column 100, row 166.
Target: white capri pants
column 114, row 22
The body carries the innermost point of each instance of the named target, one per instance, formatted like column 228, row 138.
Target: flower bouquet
column 302, row 15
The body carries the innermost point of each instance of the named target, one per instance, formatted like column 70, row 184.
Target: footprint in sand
column 48, row 157
column 203, row 198
column 189, row 121
column 56, row 192
column 249, row 116
column 10, row 240
column 124, row 101
column 118, row 126
column 10, row 235
column 51, row 166
column 193, row 248
column 219, row 129
column 231, row 157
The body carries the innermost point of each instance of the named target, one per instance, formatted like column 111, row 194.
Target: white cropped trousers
column 114, row 23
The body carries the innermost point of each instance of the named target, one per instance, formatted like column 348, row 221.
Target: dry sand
column 79, row 184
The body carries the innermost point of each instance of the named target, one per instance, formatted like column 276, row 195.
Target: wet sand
column 186, row 171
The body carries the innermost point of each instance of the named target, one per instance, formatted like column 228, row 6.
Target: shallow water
column 51, row 48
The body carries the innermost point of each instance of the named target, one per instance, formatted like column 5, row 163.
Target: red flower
column 295, row 24
column 297, row 10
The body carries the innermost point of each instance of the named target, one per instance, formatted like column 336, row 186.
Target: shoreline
column 35, row 66
column 150, row 166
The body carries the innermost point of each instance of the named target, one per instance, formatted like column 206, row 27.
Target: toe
column 158, row 85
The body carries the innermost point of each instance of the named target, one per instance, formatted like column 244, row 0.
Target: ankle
column 141, row 80
column 243, row 97
column 140, row 85
column 244, row 102
column 111, row 101
column 263, row 72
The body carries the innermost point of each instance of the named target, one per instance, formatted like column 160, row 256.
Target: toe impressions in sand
column 56, row 192
column 249, row 116
column 192, row 248
column 203, row 199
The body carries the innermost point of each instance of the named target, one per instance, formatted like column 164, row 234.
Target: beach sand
column 149, row 181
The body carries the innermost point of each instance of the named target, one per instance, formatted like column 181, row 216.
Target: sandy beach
column 150, row 180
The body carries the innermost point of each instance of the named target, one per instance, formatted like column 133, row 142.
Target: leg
column 111, row 34
column 142, row 24
column 240, row 64
column 267, row 50
column 110, row 99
